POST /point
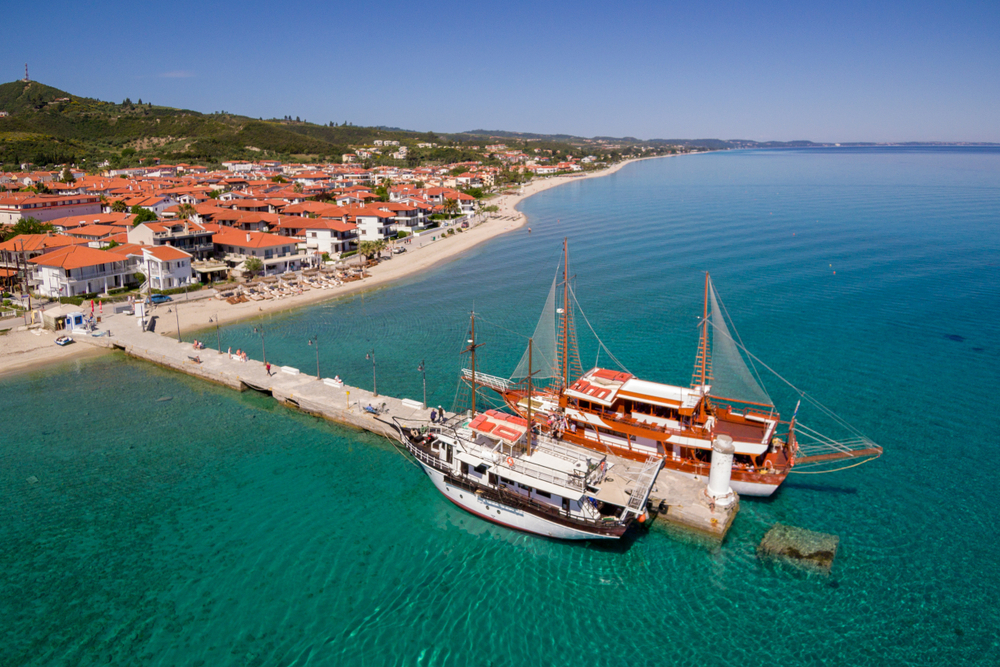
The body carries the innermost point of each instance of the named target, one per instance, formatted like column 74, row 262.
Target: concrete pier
column 685, row 506
column 680, row 501
column 321, row 397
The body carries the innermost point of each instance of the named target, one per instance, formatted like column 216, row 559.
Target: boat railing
column 516, row 500
column 552, row 446
column 546, row 474
column 610, row 415
column 422, row 455
column 644, row 482
column 498, row 384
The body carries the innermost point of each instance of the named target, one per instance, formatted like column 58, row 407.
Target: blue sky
column 846, row 71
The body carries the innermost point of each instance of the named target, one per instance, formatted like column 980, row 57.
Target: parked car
column 398, row 251
column 160, row 298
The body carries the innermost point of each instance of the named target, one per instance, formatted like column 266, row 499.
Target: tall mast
column 704, row 332
column 565, row 354
column 702, row 366
column 529, row 396
column 471, row 349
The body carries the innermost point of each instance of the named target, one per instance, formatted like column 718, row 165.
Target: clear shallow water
column 220, row 528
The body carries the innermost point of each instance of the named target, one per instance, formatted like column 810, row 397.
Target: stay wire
column 822, row 408
column 598, row 338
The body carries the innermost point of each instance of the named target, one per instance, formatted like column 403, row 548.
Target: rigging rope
column 480, row 318
column 822, row 408
column 823, row 472
column 725, row 314
column 599, row 341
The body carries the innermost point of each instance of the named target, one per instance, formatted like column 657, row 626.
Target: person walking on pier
column 434, row 416
column 268, row 367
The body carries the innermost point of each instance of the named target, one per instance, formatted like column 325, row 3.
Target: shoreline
column 23, row 351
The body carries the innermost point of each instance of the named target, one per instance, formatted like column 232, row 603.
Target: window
column 543, row 494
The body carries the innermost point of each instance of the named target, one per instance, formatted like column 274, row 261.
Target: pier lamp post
column 371, row 355
column 423, row 371
column 263, row 350
column 218, row 336
column 314, row 341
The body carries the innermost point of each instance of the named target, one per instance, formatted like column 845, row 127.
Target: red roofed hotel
column 322, row 236
column 278, row 253
column 43, row 208
column 77, row 269
column 166, row 267
column 188, row 236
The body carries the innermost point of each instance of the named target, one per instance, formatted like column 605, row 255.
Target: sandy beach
column 23, row 350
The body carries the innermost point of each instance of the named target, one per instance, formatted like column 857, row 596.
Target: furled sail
column 730, row 376
column 545, row 358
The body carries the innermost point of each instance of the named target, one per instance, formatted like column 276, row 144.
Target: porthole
column 498, row 511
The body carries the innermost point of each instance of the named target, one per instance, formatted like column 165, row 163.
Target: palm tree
column 186, row 211
column 118, row 206
column 450, row 206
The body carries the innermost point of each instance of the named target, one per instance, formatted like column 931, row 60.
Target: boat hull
column 504, row 515
column 746, row 484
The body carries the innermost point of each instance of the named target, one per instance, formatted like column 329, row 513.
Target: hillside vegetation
column 50, row 126
column 46, row 126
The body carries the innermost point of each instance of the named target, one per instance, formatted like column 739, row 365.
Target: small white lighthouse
column 723, row 450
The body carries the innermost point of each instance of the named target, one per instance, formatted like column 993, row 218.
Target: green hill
column 46, row 126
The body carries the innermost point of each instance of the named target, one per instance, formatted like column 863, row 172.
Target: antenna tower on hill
column 26, row 79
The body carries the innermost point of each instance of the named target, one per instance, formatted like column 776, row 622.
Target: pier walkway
column 679, row 499
column 343, row 404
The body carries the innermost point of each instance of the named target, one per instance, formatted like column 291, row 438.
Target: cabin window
column 465, row 468
column 493, row 479
column 565, row 505
column 543, row 494
column 449, row 454
column 481, row 468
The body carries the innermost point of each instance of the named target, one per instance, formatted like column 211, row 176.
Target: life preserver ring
column 510, row 461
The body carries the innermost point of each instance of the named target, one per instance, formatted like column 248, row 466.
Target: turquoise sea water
column 220, row 529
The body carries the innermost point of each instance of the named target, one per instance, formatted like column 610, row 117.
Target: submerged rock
column 799, row 547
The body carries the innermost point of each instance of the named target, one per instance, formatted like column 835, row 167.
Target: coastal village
column 164, row 227
column 256, row 236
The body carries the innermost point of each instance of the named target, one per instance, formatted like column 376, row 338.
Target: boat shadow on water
column 822, row 488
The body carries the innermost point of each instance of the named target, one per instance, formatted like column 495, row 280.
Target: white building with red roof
column 14, row 207
column 278, row 253
column 79, row 269
column 321, row 235
column 165, row 267
column 191, row 237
